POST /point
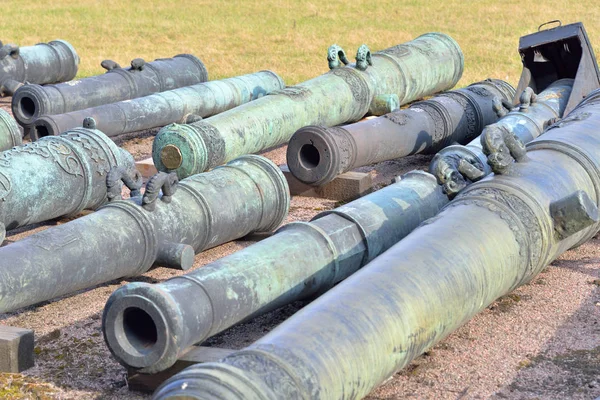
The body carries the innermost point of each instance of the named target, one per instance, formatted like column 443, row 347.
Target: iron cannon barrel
column 527, row 122
column 125, row 238
column 57, row 176
column 316, row 154
column 160, row 109
column 142, row 79
column 432, row 62
column 52, row 62
column 300, row 261
column 495, row 236
column 10, row 134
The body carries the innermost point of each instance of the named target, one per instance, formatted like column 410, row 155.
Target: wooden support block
column 146, row 167
column 345, row 187
column 196, row 355
column 16, row 349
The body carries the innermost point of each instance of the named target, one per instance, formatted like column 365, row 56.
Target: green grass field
column 288, row 37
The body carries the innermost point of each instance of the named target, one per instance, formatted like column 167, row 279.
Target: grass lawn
column 288, row 37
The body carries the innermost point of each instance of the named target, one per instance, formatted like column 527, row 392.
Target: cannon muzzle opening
column 28, row 104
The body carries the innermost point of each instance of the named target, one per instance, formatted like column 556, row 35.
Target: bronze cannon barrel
column 30, row 102
column 431, row 63
column 456, row 166
column 52, row 62
column 302, row 260
column 495, row 236
column 317, row 154
column 57, row 176
column 178, row 105
column 128, row 237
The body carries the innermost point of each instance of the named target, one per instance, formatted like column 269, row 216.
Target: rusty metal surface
column 431, row 63
column 301, row 261
column 52, row 62
column 495, row 236
column 178, row 105
column 316, row 154
column 128, row 237
column 142, row 79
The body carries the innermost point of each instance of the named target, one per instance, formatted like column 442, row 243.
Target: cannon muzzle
column 316, row 155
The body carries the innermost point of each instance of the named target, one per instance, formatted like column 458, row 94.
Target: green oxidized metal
column 33, row 101
column 495, row 236
column 316, row 154
column 58, row 176
column 51, row 62
column 302, row 260
column 10, row 134
column 179, row 105
column 456, row 166
column 431, row 63
column 128, row 237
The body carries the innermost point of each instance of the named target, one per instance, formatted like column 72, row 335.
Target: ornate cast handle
column 167, row 182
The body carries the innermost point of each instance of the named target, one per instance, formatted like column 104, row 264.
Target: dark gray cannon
column 316, row 154
column 128, row 237
column 149, row 326
column 33, row 101
column 186, row 104
column 457, row 166
column 10, row 133
column 495, row 236
column 60, row 175
column 44, row 63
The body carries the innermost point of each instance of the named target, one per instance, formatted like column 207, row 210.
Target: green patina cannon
column 10, row 134
column 316, row 154
column 179, row 105
column 456, row 166
column 51, row 62
column 128, row 237
column 30, row 102
column 496, row 235
column 377, row 83
column 148, row 326
column 58, row 176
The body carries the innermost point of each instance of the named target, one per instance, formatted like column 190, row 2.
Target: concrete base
column 16, row 349
column 197, row 354
column 345, row 187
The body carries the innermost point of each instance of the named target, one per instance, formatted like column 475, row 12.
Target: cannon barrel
column 30, row 102
column 178, row 105
column 44, row 63
column 125, row 238
column 431, row 63
column 456, row 166
column 58, row 176
column 10, row 134
column 305, row 259
column 317, row 154
column 495, row 236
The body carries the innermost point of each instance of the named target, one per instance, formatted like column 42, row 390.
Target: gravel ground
column 540, row 342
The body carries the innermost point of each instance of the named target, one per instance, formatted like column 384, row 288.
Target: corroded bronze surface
column 178, row 105
column 33, row 101
column 496, row 235
column 431, row 63
column 10, row 134
column 128, row 237
column 44, row 63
